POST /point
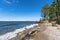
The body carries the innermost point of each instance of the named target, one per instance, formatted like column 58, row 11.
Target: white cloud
column 11, row 1
column 7, row 1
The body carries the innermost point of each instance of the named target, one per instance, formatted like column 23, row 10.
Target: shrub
column 54, row 24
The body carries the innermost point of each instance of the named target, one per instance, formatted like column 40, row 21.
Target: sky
column 21, row 10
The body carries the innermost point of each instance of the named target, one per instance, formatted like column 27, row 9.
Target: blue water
column 8, row 26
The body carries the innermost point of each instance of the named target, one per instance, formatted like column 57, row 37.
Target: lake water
column 8, row 26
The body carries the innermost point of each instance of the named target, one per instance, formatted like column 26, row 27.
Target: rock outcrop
column 44, row 31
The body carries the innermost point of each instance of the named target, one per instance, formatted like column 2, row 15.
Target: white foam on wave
column 10, row 35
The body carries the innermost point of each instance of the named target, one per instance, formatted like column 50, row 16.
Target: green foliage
column 52, row 12
column 45, row 11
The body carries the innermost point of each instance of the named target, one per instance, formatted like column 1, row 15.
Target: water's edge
column 10, row 35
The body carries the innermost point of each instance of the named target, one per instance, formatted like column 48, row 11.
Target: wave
column 10, row 35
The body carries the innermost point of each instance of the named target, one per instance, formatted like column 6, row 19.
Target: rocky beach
column 43, row 31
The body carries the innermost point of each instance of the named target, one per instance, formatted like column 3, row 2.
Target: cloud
column 11, row 1
column 7, row 1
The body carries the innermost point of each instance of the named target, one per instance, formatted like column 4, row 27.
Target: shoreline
column 31, row 32
column 40, row 31
column 43, row 31
column 14, row 33
column 21, row 34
